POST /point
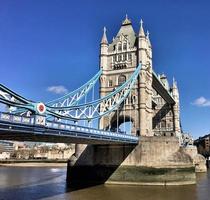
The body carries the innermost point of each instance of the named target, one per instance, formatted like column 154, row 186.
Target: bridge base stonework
column 154, row 161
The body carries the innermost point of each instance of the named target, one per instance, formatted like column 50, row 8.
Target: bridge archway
column 122, row 123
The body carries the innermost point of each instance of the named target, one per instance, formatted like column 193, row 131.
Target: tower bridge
column 130, row 91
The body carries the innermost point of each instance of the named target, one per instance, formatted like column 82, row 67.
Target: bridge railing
column 60, row 126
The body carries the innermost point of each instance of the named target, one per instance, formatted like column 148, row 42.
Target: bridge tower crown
column 148, row 111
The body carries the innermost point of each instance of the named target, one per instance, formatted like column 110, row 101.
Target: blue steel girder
column 98, row 108
column 74, row 97
column 24, row 105
column 8, row 95
column 161, row 90
column 21, row 128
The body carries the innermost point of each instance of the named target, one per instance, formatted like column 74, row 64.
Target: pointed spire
column 141, row 30
column 104, row 38
column 148, row 39
column 126, row 21
column 174, row 83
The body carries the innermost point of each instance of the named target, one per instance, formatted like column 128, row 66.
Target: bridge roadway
column 21, row 128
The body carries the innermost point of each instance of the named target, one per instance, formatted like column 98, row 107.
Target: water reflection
column 49, row 183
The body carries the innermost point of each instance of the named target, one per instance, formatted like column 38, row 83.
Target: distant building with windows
column 6, row 146
column 6, row 149
column 203, row 145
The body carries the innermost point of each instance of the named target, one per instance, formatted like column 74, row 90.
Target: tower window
column 119, row 47
column 114, row 58
column 124, row 56
column 119, row 57
column 125, row 46
column 130, row 56
column 110, row 83
column 121, row 79
column 163, row 124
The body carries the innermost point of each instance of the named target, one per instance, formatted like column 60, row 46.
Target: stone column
column 149, row 102
column 142, row 102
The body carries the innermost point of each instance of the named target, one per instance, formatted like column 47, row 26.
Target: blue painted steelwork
column 74, row 97
column 69, row 99
column 97, row 109
column 11, row 124
column 7, row 94
column 92, row 110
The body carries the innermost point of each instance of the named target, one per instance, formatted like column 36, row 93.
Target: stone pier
column 154, row 161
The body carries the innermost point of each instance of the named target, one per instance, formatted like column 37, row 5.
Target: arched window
column 163, row 124
column 121, row 79
column 124, row 56
column 119, row 57
column 124, row 46
column 119, row 47
column 130, row 56
column 110, row 83
column 114, row 58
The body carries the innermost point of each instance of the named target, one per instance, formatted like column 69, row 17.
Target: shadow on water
column 57, row 191
column 56, row 188
column 106, row 159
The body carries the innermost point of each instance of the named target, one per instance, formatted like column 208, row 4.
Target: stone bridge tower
column 145, row 108
column 119, row 60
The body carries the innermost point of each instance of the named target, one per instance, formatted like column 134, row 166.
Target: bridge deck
column 26, row 130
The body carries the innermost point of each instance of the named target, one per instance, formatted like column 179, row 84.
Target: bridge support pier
column 154, row 161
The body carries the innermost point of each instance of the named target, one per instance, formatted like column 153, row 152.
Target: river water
column 33, row 183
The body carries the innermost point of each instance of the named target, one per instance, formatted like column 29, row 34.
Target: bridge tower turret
column 176, row 109
column 104, row 51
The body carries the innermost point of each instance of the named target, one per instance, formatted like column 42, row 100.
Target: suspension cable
column 136, row 106
column 93, row 97
column 109, row 119
column 124, row 115
column 117, row 120
column 130, row 112
column 85, row 103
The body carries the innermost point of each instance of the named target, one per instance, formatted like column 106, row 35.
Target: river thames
column 33, row 183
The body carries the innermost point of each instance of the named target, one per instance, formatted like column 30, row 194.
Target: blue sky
column 56, row 43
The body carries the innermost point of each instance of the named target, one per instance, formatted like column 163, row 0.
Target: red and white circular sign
column 41, row 108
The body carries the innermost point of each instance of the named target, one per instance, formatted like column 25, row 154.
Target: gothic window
column 121, row 79
column 124, row 46
column 124, row 56
column 119, row 47
column 133, row 99
column 114, row 58
column 110, row 83
column 163, row 124
column 130, row 56
column 119, row 57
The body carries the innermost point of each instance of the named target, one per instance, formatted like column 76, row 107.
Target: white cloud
column 58, row 89
column 202, row 102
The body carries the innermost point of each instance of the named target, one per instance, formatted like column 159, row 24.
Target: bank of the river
column 33, row 163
